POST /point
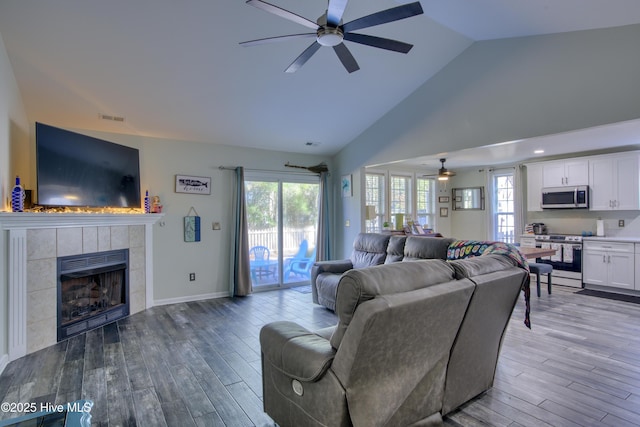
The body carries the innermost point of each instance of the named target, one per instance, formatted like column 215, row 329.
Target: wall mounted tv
column 79, row 170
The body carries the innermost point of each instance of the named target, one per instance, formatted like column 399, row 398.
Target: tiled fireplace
column 36, row 241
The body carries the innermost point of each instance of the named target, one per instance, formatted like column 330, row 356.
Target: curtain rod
column 232, row 168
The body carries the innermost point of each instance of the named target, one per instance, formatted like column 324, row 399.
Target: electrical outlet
column 192, row 277
column 621, row 223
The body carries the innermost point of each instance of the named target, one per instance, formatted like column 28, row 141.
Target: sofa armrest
column 338, row 266
column 319, row 267
column 295, row 351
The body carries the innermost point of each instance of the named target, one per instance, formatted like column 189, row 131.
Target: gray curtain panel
column 240, row 283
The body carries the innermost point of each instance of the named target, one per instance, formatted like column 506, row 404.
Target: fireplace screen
column 92, row 291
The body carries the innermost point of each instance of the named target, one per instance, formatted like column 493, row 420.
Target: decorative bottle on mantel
column 17, row 197
column 147, row 205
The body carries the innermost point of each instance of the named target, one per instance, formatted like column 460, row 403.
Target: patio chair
column 259, row 263
column 300, row 255
column 302, row 266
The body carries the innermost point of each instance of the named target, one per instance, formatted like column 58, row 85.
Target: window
column 425, row 202
column 374, row 197
column 503, row 207
column 400, row 199
column 414, row 197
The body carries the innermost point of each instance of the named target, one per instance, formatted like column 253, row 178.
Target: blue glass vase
column 17, row 197
column 147, row 206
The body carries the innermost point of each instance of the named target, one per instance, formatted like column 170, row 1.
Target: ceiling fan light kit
column 329, row 36
column 331, row 32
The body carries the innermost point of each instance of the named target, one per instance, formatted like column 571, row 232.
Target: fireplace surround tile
column 41, row 243
column 41, row 305
column 69, row 241
column 41, row 274
column 119, row 237
column 104, row 239
column 89, row 240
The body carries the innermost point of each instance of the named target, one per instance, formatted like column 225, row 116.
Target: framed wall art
column 444, row 212
column 345, row 184
column 193, row 184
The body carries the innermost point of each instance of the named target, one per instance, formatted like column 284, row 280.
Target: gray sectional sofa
column 414, row 341
column 371, row 249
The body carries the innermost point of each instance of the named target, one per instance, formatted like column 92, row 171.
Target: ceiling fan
column 443, row 173
column 330, row 31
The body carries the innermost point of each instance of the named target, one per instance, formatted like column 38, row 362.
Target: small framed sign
column 192, row 226
column 193, row 184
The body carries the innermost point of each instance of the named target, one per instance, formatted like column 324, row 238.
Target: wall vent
column 111, row 118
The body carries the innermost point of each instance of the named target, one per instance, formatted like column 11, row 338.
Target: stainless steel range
column 566, row 263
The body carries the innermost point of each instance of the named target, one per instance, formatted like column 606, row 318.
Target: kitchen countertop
column 612, row 239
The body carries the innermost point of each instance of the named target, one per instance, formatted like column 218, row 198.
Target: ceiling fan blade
column 277, row 39
column 268, row 7
column 378, row 42
column 346, row 58
column 334, row 11
column 384, row 16
column 303, row 58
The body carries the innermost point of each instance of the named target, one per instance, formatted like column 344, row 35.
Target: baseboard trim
column 4, row 361
column 190, row 298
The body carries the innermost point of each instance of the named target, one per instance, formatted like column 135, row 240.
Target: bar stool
column 539, row 268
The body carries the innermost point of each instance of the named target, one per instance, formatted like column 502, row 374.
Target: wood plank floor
column 198, row 364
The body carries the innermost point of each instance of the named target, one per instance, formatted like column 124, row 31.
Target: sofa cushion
column 426, row 248
column 369, row 249
column 357, row 286
column 395, row 249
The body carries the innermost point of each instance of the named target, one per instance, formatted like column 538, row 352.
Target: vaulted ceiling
column 176, row 69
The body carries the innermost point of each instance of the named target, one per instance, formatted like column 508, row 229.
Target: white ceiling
column 176, row 69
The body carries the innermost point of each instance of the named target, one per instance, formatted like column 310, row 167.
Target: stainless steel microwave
column 566, row 197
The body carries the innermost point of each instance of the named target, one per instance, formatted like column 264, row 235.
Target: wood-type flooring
column 198, row 364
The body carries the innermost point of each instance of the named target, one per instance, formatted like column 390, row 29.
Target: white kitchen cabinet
column 534, row 187
column 565, row 173
column 610, row 264
column 614, row 182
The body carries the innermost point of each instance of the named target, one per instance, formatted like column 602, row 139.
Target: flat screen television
column 81, row 171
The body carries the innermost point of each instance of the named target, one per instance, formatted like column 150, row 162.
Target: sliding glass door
column 282, row 216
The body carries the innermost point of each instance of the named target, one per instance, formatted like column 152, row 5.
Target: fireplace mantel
column 31, row 220
column 17, row 224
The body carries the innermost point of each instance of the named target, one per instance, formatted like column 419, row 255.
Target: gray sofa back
column 369, row 249
column 358, row 286
column 474, row 355
column 392, row 361
column 426, row 248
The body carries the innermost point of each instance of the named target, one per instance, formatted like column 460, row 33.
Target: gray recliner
column 413, row 342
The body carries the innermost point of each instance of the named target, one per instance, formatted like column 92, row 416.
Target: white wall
column 504, row 90
column 13, row 136
column 469, row 224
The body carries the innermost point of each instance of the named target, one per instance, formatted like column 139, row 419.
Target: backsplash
column 576, row 221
